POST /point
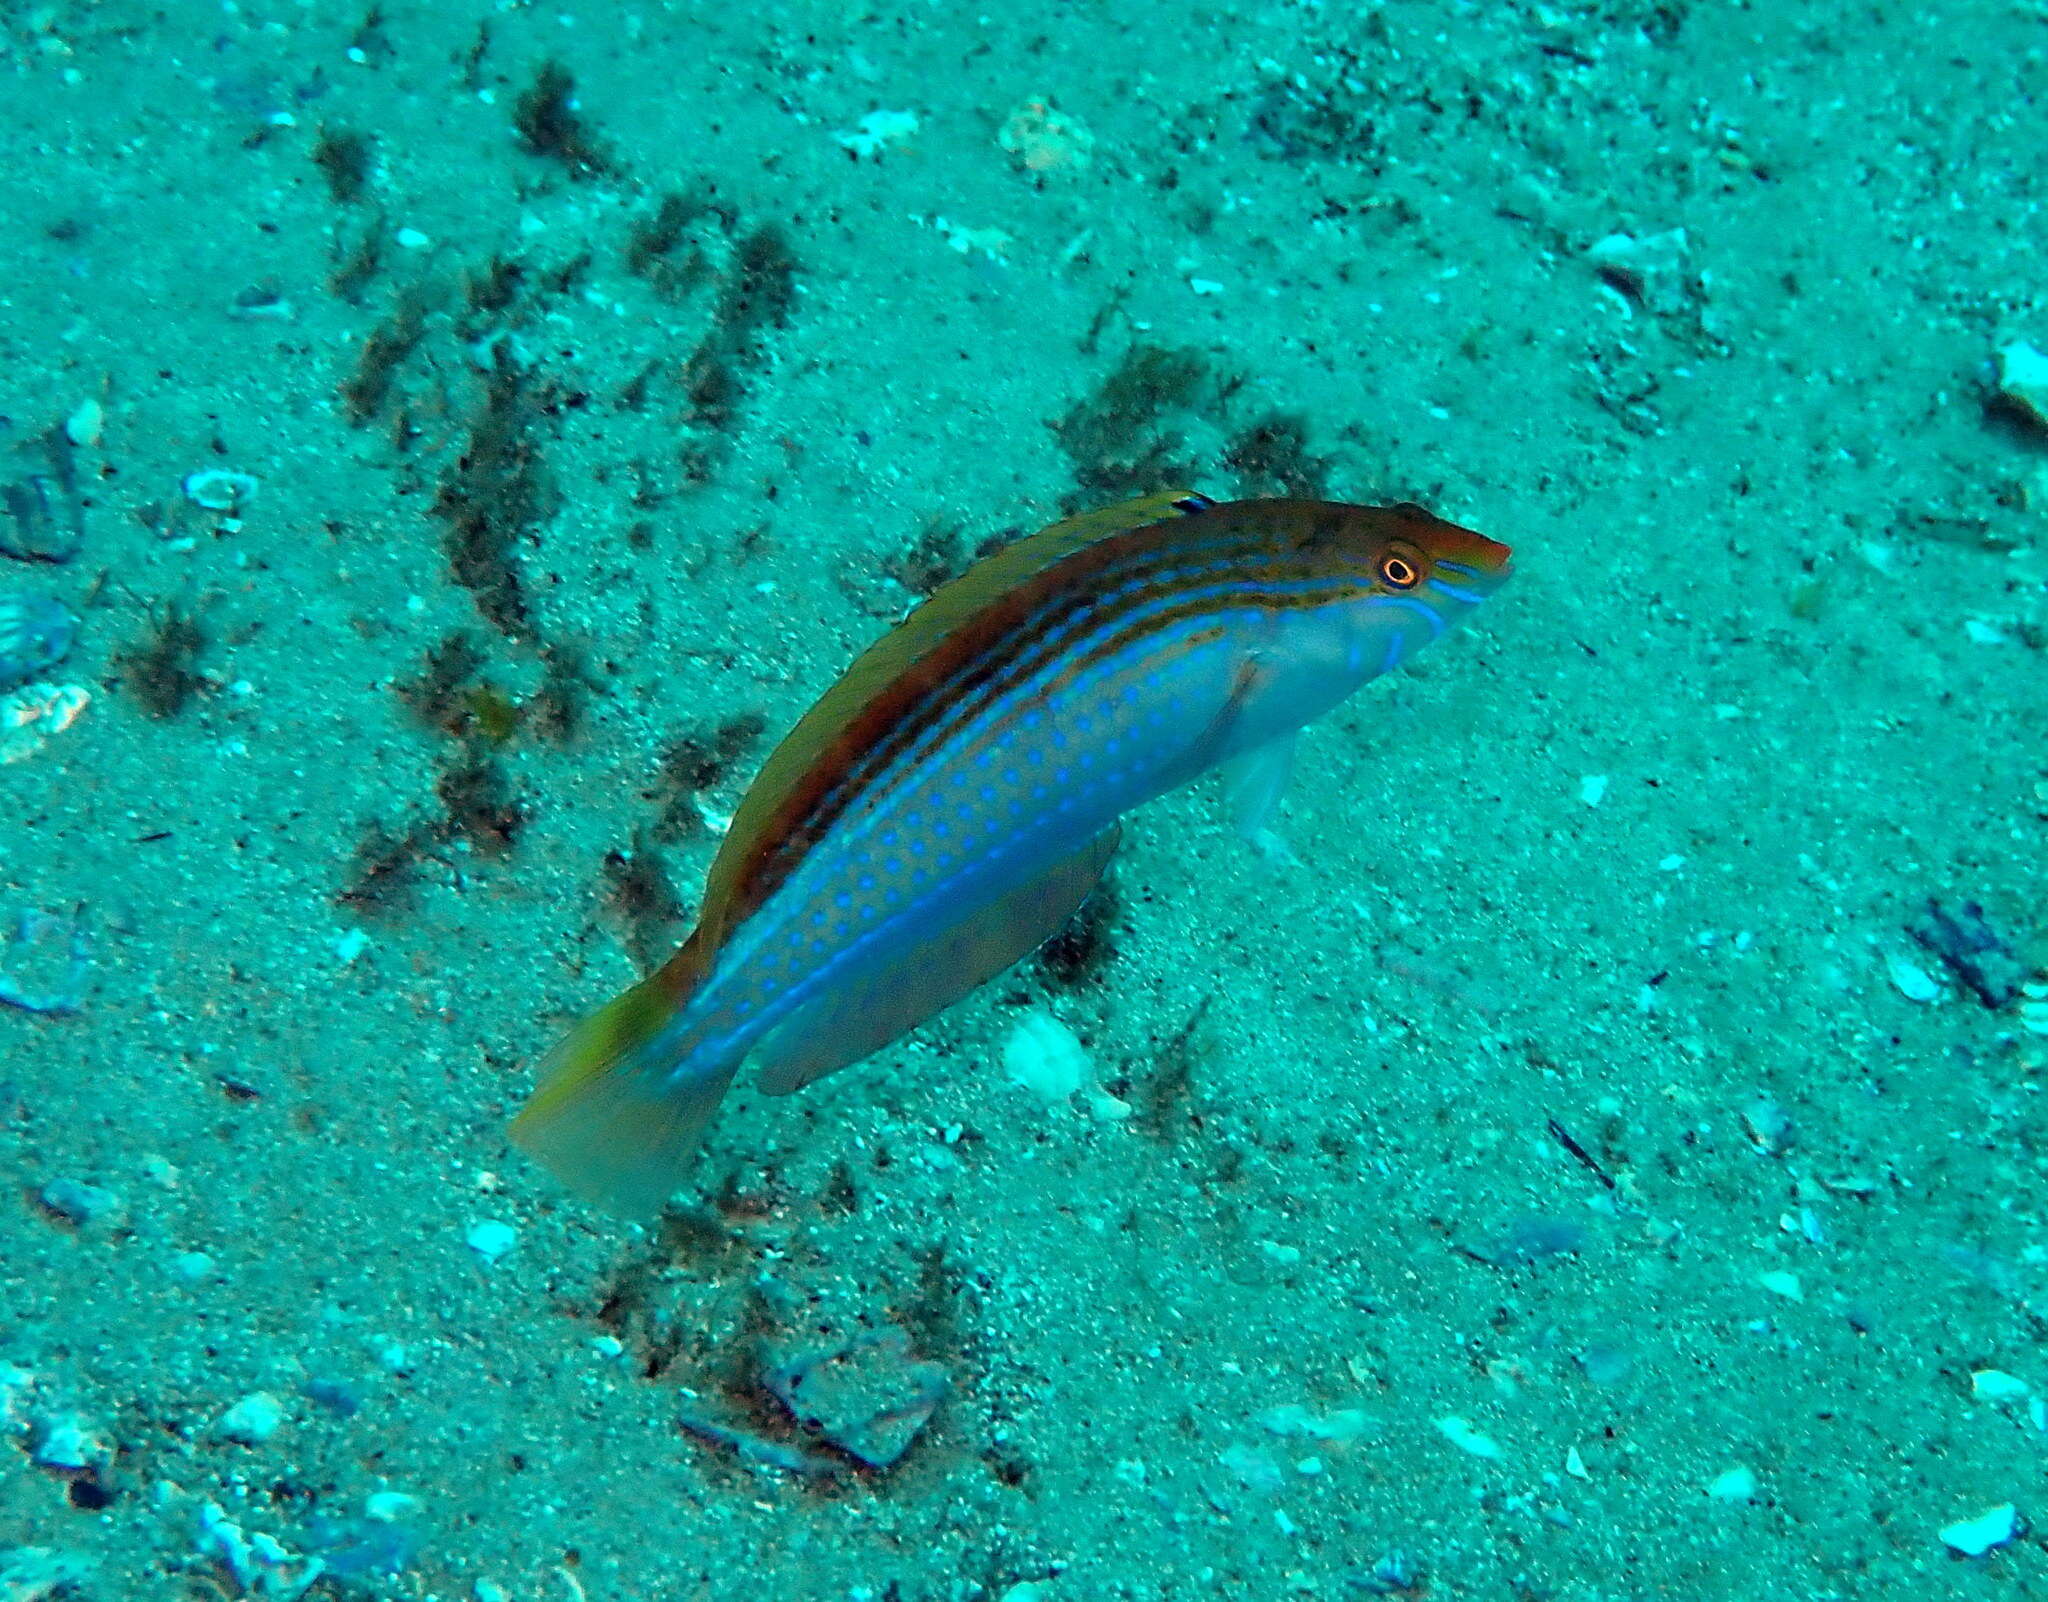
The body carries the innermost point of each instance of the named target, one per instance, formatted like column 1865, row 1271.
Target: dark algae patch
column 158, row 667
column 1270, row 456
column 641, row 901
column 549, row 124
column 367, row 390
column 1120, row 439
column 497, row 494
column 665, row 249
column 346, row 160
column 697, row 762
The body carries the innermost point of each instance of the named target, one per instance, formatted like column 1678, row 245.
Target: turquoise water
column 1567, row 1161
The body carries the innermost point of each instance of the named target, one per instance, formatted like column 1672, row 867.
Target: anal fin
column 861, row 1017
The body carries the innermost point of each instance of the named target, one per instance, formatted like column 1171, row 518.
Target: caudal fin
column 619, row 1110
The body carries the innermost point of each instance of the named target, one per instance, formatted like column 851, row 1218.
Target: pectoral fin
column 1255, row 782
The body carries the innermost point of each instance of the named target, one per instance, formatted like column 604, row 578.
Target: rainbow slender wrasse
column 954, row 798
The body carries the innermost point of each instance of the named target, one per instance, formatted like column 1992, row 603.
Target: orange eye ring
column 1398, row 573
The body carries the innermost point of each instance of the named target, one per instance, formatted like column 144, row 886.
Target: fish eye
column 1398, row 573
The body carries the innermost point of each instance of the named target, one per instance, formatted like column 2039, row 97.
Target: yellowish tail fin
column 620, row 1107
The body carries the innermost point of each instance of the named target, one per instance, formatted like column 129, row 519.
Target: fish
column 955, row 796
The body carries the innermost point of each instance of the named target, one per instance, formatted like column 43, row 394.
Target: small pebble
column 88, row 418
column 388, row 1507
column 44, row 963
column 36, row 633
column 342, row 1398
column 1974, row 1537
column 65, row 1445
column 1732, row 1485
column 1253, row 1470
column 31, row 714
column 1781, row 1282
column 2023, row 379
column 876, row 134
column 42, row 518
column 491, row 1239
column 1649, row 270
column 251, row 1421
column 1593, row 789
column 1768, row 1126
column 192, row 1267
column 1043, row 139
column 1104, row 1107
column 82, row 1204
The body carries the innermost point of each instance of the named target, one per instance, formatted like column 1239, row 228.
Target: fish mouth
column 1466, row 558
column 1471, row 567
column 1475, row 551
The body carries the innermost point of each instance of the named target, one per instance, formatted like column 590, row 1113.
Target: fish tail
column 624, row 1097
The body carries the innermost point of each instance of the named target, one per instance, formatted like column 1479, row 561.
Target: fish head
column 1414, row 553
column 1411, row 577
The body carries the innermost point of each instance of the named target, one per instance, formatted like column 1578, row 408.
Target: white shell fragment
column 1781, row 1282
column 1465, row 1438
column 64, row 1444
column 219, row 489
column 1911, row 980
column 1995, row 1385
column 992, row 244
column 1733, row 1485
column 491, row 1239
column 86, row 423
column 2033, row 1009
column 252, row 1420
column 1291, row 1418
column 2023, row 379
column 1046, row 1057
column 1649, row 270
column 1974, row 1537
column 876, row 134
column 1252, row 1469
column 389, row 1507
